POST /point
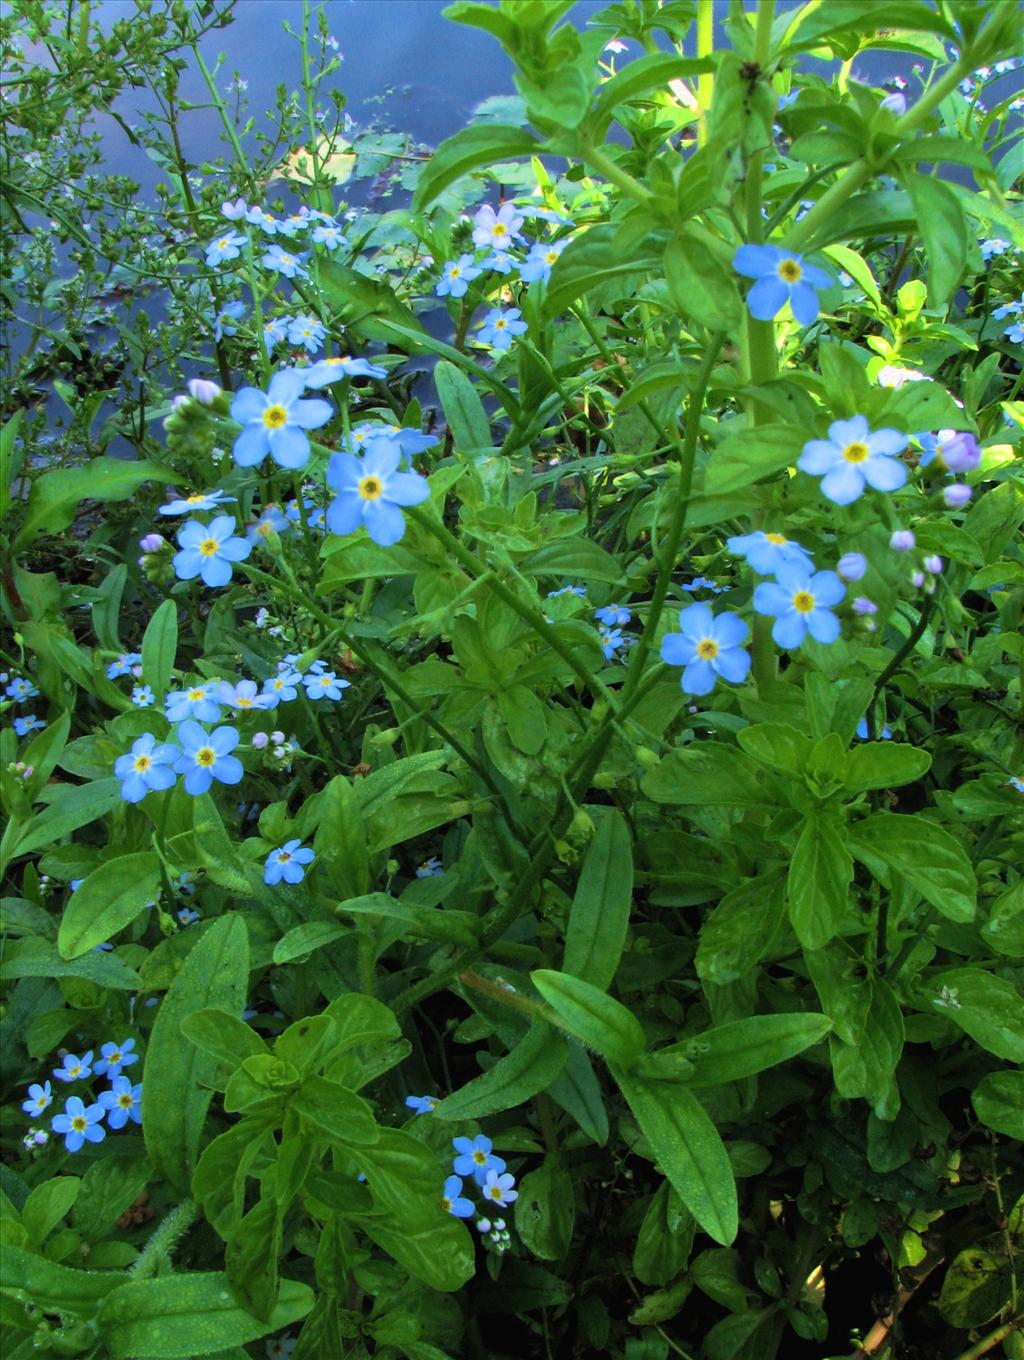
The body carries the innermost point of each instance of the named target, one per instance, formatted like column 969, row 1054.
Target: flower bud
column 179, row 402
column 902, row 540
column 917, row 578
column 896, row 103
column 961, row 453
column 852, row 566
column 862, row 605
column 277, row 738
column 151, row 543
column 957, row 495
column 203, row 391
column 933, row 564
column 260, row 741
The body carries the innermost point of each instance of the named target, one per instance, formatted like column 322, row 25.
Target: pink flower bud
column 204, row 391
column 902, row 540
column 933, row 564
column 957, row 495
column 961, row 453
column 862, row 605
column 917, row 578
column 259, row 741
column 852, row 566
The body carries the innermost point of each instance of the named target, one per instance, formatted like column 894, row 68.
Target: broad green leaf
column 976, row 1287
column 599, row 918
column 55, row 1288
column 987, row 1007
column 463, row 409
column 818, row 886
column 776, row 745
column 545, row 1210
column 472, row 148
column 308, row 937
column 340, row 841
column 742, row 1048
column 177, row 1089
column 708, row 773
column 56, row 495
column 748, row 456
column 646, row 75
column 8, row 470
column 665, row 1238
column 591, row 1015
column 223, row 1036
column 741, row 928
column 180, row 1316
column 366, row 305
column 998, row 1101
column 943, row 228
column 46, row 1205
column 334, row 1112
column 530, row 1067
column 926, row 855
column 688, row 1150
column 857, row 268
column 867, row 1068
column 109, row 899
column 45, row 750
column 40, row 958
column 457, row 927
column 75, row 808
column 160, row 647
column 109, row 1187
column 588, row 260
column 572, row 557
column 882, row 765
column 701, row 287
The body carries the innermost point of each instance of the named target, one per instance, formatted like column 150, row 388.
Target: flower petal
column 345, row 512
column 804, row 302
column 854, row 430
column 696, row 621
column 407, row 488
column 311, row 414
column 887, row 441
column 285, row 386
column 251, row 445
column 677, row 650
column 756, row 261
column 215, row 572
column 788, row 630
column 248, row 404
column 844, row 484
column 818, row 456
column 822, row 626
column 733, row 665
column 289, row 447
column 385, row 523
column 767, row 298
column 698, row 678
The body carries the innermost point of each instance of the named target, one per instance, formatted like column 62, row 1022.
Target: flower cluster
column 201, row 757
column 476, row 1162
column 81, row 1123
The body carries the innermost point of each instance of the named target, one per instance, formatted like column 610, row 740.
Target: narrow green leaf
column 527, row 1069
column 818, row 887
column 109, row 899
column 463, row 409
column 472, row 148
column 160, row 647
column 926, row 855
column 943, row 227
column 599, row 918
column 742, row 1048
column 591, row 1015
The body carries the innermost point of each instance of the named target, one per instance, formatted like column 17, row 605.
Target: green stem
column 706, row 80
column 614, row 173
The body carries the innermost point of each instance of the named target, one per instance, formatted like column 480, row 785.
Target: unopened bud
column 204, row 391
column 260, row 741
column 957, row 495
column 902, row 540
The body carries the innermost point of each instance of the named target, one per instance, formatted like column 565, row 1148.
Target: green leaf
column 160, row 647
column 882, row 765
column 858, row 269
column 867, row 1068
column 776, row 745
column 577, row 1090
column 8, row 471
column 177, row 1089
column 701, row 286
column 54, row 1288
column 545, row 1210
column 572, row 557
column 976, row 1287
column 818, row 886
column 742, row 1048
column 688, row 1149
column 39, row 958
column 56, row 495
column 527, row 1069
column 463, row 409
column 926, row 855
column 109, row 899
column 591, row 1015
column 46, row 1205
column 599, row 918
column 665, row 1239
column 472, row 148
column 453, row 927
column 998, row 1101
column 588, row 260
column 340, row 841
column 708, row 773
column 366, row 305
column 749, row 456
column 109, row 1187
column 308, row 937
column 943, row 228
column 75, row 808
column 983, row 1005
column 180, row 1316
column 646, row 75
column 741, row 929
column 222, row 1036
column 335, row 1112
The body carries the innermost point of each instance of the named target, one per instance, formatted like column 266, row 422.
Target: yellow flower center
column 551, row 256
column 283, row 857
column 222, row 243
column 286, row 258
column 74, row 1071
column 278, row 684
column 206, row 756
column 142, row 764
column 371, row 488
column 194, row 500
column 777, row 539
column 454, row 272
column 500, row 324
column 803, row 601
column 114, row 1058
column 707, row 649
column 855, row 452
column 326, row 681
column 125, row 1100
column 274, row 417
column 209, row 547
column 337, row 359
column 480, row 1157
column 196, row 694
column 243, row 703
column 495, row 1192
column 446, row 1204
column 79, row 1123
column 499, row 229
column 790, row 271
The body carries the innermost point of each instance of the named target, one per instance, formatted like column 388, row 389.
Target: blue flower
column 1015, row 333
column 283, row 685
column 244, row 696
column 781, row 277
column 145, row 767
column 613, row 615
column 204, row 758
column 1013, row 308
column 497, row 229
column 537, row 265
column 39, row 1098
column 852, row 566
column 195, row 702
column 275, row 331
column 124, row 664
column 276, row 421
column 287, row 863
column 581, row 591
column 422, row 1104
column 306, row 331
column 708, row 648
column 457, row 276
column 371, row 491
column 74, row 1068
column 497, row 1188
column 475, row 1158
column 338, row 366
column 703, row 583
column 209, row 550
column 115, row 1056
column 223, row 322
column 953, row 451
column 79, row 1124
column 766, row 552
column 612, row 642
column 227, row 247
column 862, row 731
column 430, row 868
column 188, row 917
column 453, row 1202
column 122, row 1102
column 499, row 326
column 283, row 261
column 20, row 689
column 408, row 441
column 329, row 234
column 190, row 505
column 143, row 696
column 499, row 261
column 29, row 723
column 800, row 604
column 271, row 520
column 854, row 457
column 316, row 516
column 995, row 245
column 324, row 685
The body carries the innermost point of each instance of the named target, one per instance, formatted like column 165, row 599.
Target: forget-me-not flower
column 306, row 331
column 209, row 550
column 457, row 276
column 371, row 491
column 204, row 758
column 324, row 685
column 765, row 552
column 271, row 520
column 328, row 234
column 275, row 331
column 200, row 500
column 613, row 615
column 422, row 1104
column 282, row 687
column 338, row 366
column 954, row 451
column 276, row 421
column 852, row 457
column 499, row 326
column 612, row 642
column 475, row 1158
column 194, row 702
column 226, row 247
column 497, row 229
column 122, row 1102
column 852, row 566
column 453, row 1201
column 145, row 767
column 29, row 723
column 244, row 697
column 79, row 1124
column 284, row 261
column 801, row 603
column 497, row 1187
column 287, row 863
column 224, row 321
column 39, row 1098
column 537, row 265
column 707, row 648
column 781, row 277
column 73, row 1068
column 143, row 696
column 115, row 1056
column 21, row 689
